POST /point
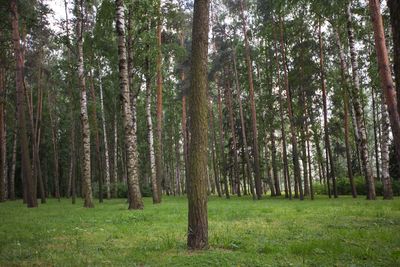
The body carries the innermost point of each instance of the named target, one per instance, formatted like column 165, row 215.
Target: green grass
column 242, row 232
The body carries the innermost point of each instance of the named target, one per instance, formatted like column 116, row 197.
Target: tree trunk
column 252, row 105
column 197, row 189
column 296, row 164
column 243, row 129
column 106, row 154
column 3, row 173
column 86, row 174
column 150, row 139
column 268, row 167
column 286, row 176
column 229, row 100
column 135, row 199
column 331, row 174
column 222, row 146
column 363, row 145
column 386, row 179
column 385, row 73
column 345, row 87
column 114, row 182
column 11, row 183
column 158, row 154
column 95, row 129
column 274, row 165
column 29, row 181
column 213, row 151
column 394, row 9
column 56, row 170
column 378, row 177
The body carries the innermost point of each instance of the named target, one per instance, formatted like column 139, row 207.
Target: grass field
column 242, row 232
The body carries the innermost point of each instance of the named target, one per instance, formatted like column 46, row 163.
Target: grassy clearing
column 271, row 232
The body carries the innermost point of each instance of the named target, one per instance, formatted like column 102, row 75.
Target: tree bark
column 158, row 154
column 150, row 139
column 29, row 181
column 222, row 146
column 385, row 73
column 11, row 183
column 252, row 105
column 386, row 179
column 197, row 189
column 213, row 151
column 363, row 145
column 135, row 198
column 56, row 171
column 394, row 9
column 3, row 173
column 229, row 100
column 106, row 153
column 86, row 168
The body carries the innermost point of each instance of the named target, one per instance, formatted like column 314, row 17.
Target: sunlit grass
column 242, row 232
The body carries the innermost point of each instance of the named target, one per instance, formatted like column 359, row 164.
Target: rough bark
column 375, row 126
column 197, row 189
column 394, row 9
column 3, row 177
column 86, row 171
column 385, row 73
column 11, row 183
column 30, row 183
column 257, row 174
column 135, row 198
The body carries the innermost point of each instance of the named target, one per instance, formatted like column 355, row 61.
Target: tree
column 135, row 197
column 385, row 73
column 197, row 184
column 29, row 182
column 358, row 110
column 87, row 188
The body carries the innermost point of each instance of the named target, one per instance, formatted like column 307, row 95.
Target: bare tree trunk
column 150, row 140
column 274, row 165
column 252, row 105
column 197, row 189
column 363, row 145
column 296, row 164
column 29, row 181
column 386, row 179
column 213, row 151
column 268, row 167
column 114, row 182
column 95, row 129
column 222, row 145
column 385, row 73
column 229, row 100
column 330, row 174
column 3, row 173
column 286, row 176
column 86, row 174
column 106, row 154
column 55, row 149
column 135, row 199
column 345, row 86
column 11, row 183
column 394, row 9
column 243, row 128
column 375, row 133
column 158, row 154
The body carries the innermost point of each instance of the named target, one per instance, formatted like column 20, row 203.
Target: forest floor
column 242, row 232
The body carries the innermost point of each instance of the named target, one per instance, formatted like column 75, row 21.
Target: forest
column 199, row 133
